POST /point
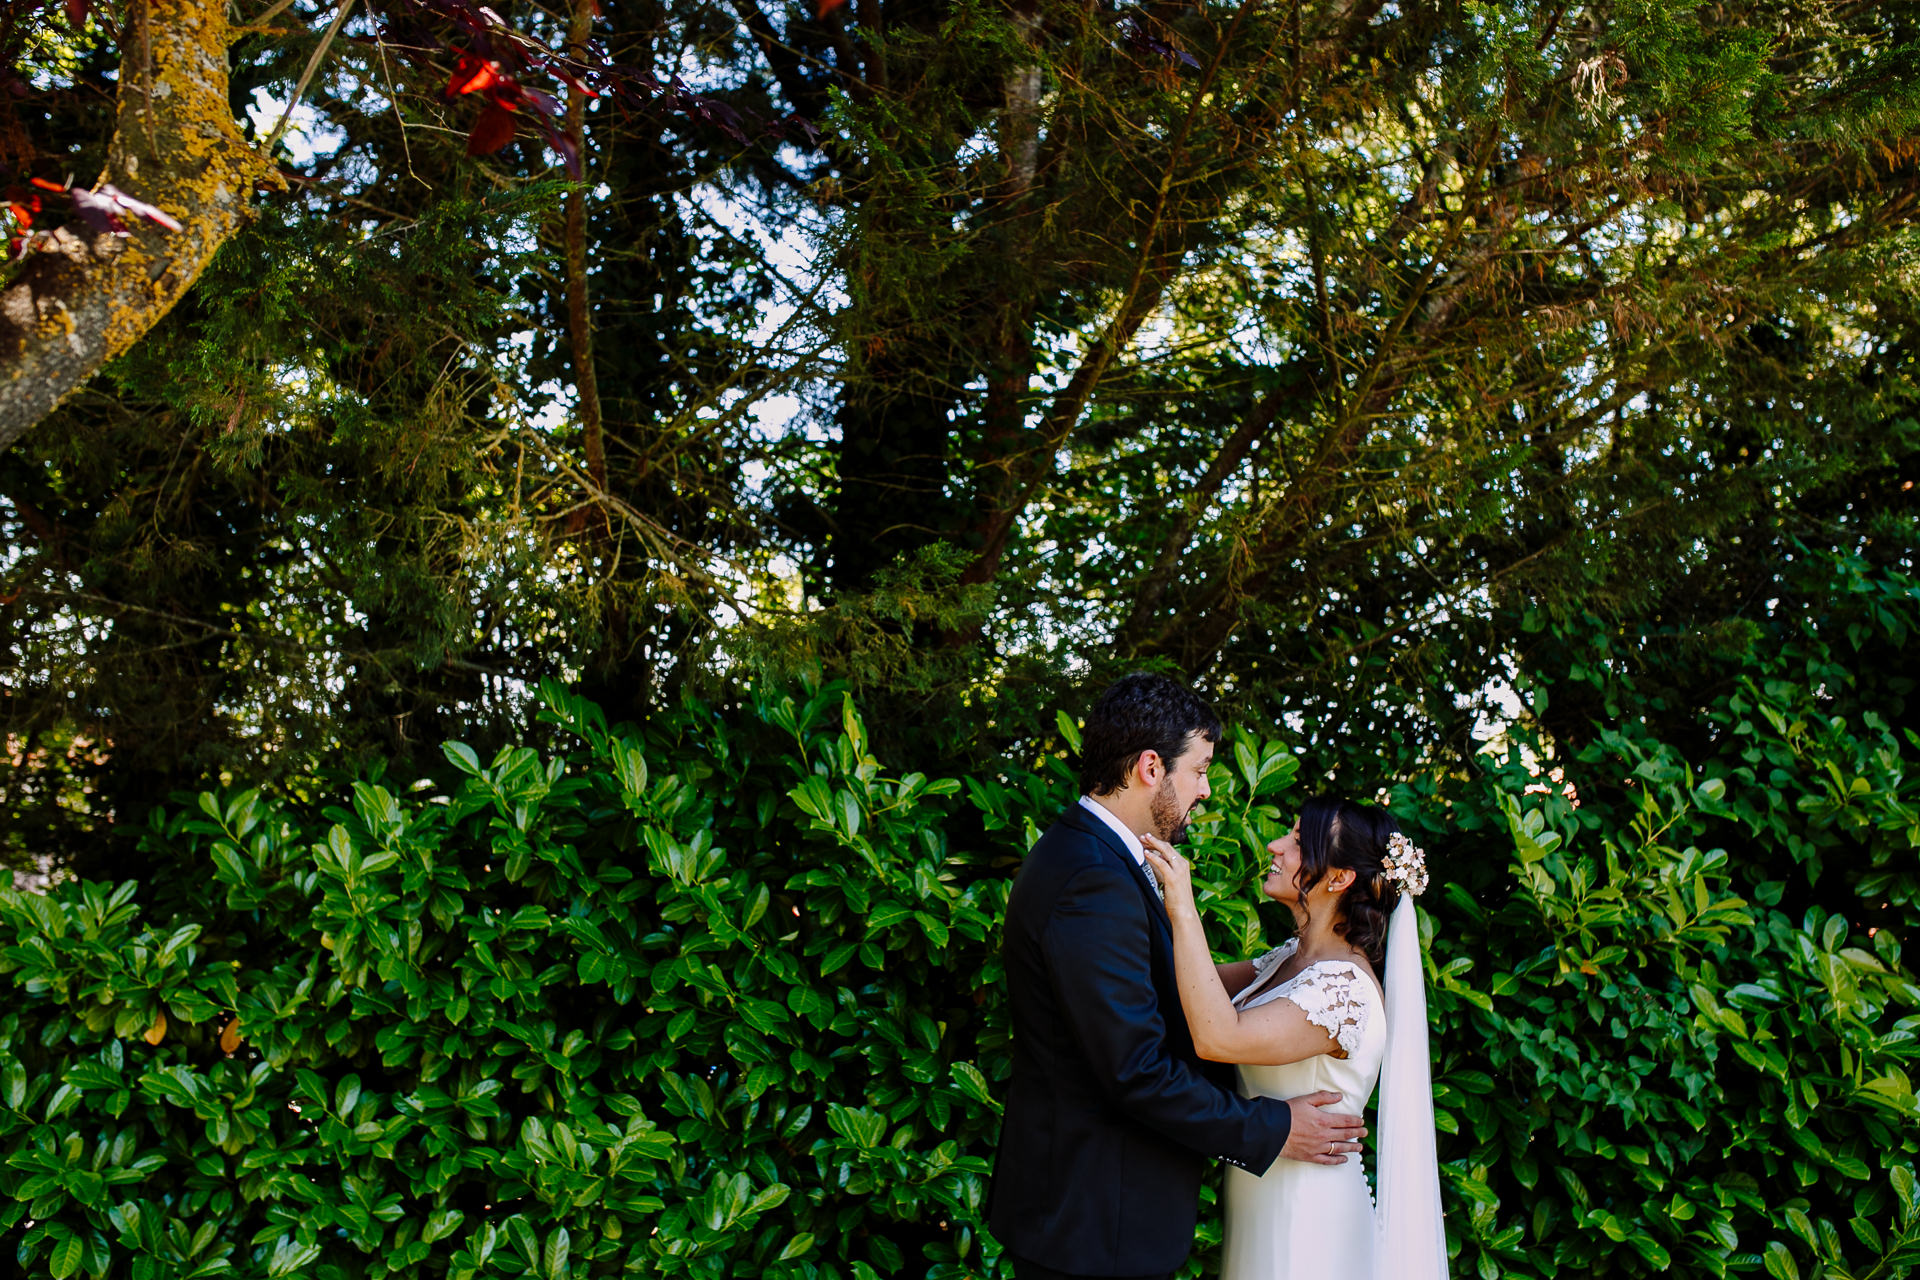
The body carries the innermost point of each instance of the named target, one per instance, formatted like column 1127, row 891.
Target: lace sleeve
column 1334, row 996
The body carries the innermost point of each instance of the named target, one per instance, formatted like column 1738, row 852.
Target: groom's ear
column 1147, row 767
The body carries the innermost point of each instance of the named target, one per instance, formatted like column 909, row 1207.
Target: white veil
column 1411, row 1243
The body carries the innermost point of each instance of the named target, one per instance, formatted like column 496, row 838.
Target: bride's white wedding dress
column 1309, row 1221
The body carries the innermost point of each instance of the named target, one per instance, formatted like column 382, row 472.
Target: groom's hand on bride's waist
column 1320, row 1136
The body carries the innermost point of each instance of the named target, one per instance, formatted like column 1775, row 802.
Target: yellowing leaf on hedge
column 230, row 1036
column 157, row 1032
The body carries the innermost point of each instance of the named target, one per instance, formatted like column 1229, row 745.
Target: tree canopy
column 1358, row 360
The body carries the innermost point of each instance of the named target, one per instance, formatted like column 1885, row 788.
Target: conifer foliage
column 958, row 347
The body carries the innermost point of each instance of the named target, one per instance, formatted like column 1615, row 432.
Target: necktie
column 1153, row 880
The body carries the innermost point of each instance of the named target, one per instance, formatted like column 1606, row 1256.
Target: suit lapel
column 1166, row 992
column 1078, row 818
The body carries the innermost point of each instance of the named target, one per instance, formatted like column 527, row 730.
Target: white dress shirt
column 1106, row 815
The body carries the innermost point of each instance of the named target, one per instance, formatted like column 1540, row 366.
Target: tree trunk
column 80, row 303
column 579, row 306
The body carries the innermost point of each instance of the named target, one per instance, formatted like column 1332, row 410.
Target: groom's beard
column 1169, row 823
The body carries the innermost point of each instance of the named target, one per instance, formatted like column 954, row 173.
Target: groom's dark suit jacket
column 1111, row 1116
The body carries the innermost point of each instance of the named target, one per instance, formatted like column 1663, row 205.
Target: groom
column 1111, row 1117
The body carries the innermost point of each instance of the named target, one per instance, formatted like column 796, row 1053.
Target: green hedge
column 720, row 998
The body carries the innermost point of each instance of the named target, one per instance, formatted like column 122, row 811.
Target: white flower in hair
column 1406, row 864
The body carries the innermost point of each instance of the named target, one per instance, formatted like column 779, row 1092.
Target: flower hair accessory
column 1406, row 864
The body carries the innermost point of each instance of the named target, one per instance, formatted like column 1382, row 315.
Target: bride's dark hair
column 1336, row 833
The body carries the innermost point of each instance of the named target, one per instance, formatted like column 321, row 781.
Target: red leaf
column 77, row 12
column 569, row 154
column 539, row 101
column 803, row 128
column 827, row 7
column 22, row 214
column 492, row 131
column 45, row 185
column 138, row 207
column 100, row 212
column 472, row 75
column 572, row 82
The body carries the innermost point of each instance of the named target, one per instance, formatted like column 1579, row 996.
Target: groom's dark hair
column 1139, row 712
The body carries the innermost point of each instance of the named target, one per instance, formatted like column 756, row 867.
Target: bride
column 1312, row 1015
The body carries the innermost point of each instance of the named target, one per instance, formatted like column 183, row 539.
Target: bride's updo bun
column 1340, row 834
